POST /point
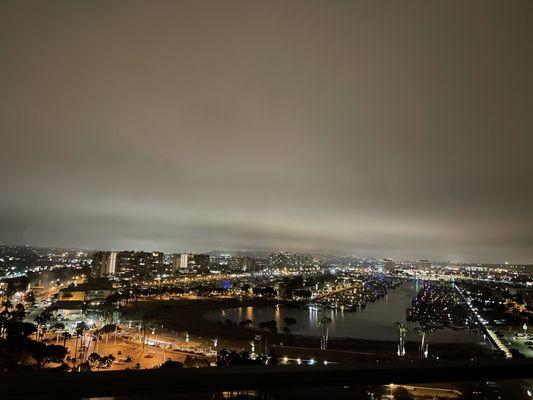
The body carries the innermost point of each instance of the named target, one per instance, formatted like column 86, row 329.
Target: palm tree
column 107, row 329
column 80, row 330
column 40, row 320
column 402, row 329
column 146, row 319
column 95, row 338
column 65, row 336
column 289, row 322
column 270, row 326
column 30, row 298
column 324, row 324
column 3, row 321
column 58, row 326
column 245, row 323
column 20, row 312
column 423, row 331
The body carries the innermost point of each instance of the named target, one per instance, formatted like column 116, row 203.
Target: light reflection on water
column 375, row 322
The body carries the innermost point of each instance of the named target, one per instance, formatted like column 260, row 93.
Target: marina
column 373, row 322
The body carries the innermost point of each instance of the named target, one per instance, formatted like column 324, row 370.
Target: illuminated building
column 104, row 263
column 187, row 262
column 390, row 264
column 423, row 265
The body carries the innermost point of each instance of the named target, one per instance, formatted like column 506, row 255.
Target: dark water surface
column 376, row 322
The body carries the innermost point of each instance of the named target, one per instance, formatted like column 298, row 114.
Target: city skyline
column 385, row 130
column 262, row 253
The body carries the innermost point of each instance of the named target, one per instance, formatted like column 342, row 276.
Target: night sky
column 380, row 128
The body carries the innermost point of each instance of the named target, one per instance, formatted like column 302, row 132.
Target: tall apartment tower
column 176, row 258
column 104, row 263
column 423, row 265
column 184, row 260
column 187, row 262
column 180, row 263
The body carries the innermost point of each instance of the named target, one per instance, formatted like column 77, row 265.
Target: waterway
column 375, row 322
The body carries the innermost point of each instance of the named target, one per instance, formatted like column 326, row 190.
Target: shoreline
column 185, row 315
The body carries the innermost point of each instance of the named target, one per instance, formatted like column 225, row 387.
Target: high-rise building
column 128, row 264
column 247, row 263
column 423, row 265
column 187, row 262
column 112, row 263
column 125, row 263
column 180, row 263
column 104, row 263
column 148, row 264
column 176, row 260
column 200, row 260
column 184, row 262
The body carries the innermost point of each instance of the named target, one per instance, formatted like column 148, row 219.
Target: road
column 36, row 311
column 120, row 348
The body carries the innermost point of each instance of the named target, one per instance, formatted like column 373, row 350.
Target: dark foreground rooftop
column 173, row 381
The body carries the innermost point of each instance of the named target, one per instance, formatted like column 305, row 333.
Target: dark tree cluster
column 17, row 349
column 229, row 358
column 270, row 326
column 267, row 291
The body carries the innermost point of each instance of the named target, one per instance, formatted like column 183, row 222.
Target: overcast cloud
column 387, row 128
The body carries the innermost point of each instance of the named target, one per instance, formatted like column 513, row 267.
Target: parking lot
column 129, row 354
column 519, row 341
